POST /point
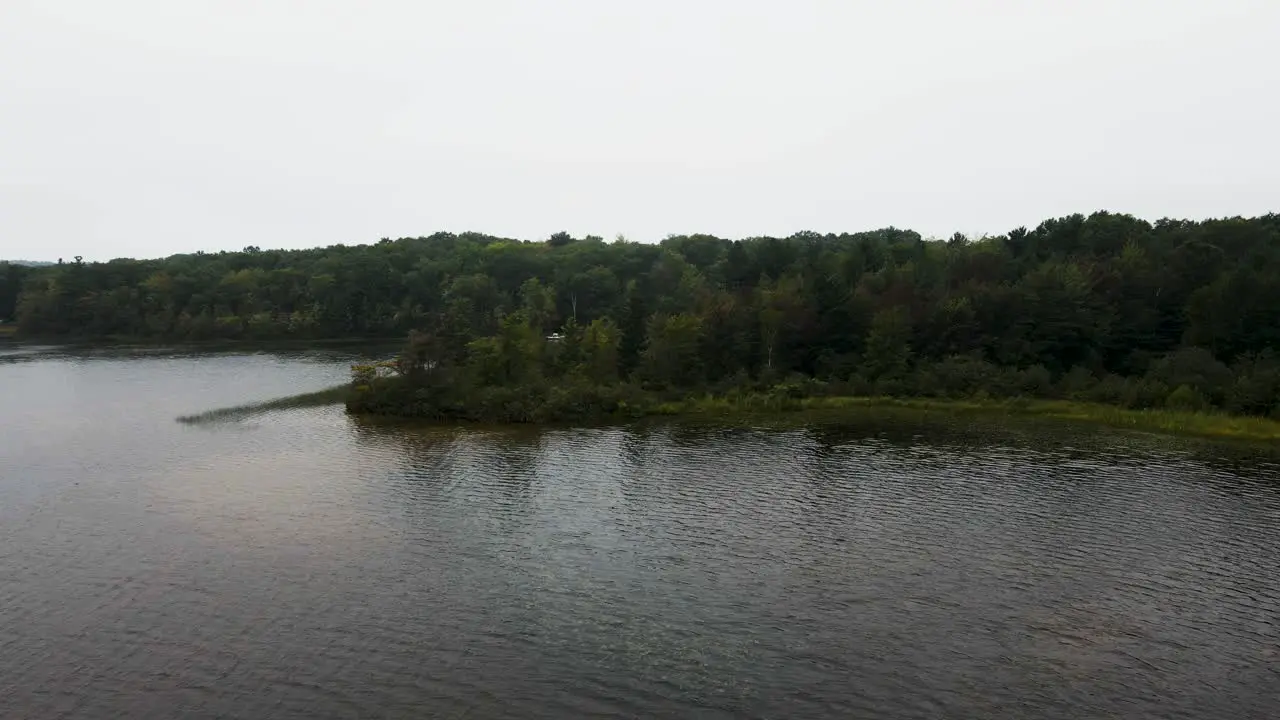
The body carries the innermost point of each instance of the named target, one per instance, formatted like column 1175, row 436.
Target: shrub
column 1256, row 390
column 965, row 375
column 1196, row 368
column 1035, row 381
column 1144, row 393
column 858, row 384
column 1078, row 384
column 1186, row 398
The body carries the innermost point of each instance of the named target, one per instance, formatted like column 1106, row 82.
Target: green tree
column 600, row 344
column 670, row 356
column 888, row 350
column 1103, row 306
column 539, row 303
column 12, row 278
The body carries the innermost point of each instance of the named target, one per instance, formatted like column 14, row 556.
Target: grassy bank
column 1198, row 424
column 8, row 331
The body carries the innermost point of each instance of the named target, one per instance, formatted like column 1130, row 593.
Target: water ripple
column 298, row 563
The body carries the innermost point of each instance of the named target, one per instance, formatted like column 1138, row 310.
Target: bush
column 965, row 375
column 736, row 382
column 1078, row 383
column 1256, row 390
column 832, row 365
column 1186, row 398
column 858, row 384
column 1144, row 393
column 800, row 386
column 1135, row 393
column 1035, row 381
column 891, row 387
column 1110, row 390
column 927, row 383
column 1196, row 368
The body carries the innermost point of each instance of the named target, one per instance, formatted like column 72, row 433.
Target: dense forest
column 1106, row 307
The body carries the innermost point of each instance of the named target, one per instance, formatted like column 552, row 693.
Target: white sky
column 145, row 128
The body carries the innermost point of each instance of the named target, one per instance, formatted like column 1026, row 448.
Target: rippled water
column 299, row 564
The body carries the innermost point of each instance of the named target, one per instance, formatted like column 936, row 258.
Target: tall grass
column 1203, row 424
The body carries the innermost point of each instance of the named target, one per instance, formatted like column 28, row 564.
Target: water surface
column 301, row 564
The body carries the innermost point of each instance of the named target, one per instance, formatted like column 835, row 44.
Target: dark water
column 300, row 565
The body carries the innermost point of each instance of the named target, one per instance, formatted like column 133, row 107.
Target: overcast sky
column 131, row 128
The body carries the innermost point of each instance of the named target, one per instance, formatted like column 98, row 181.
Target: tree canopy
column 1142, row 309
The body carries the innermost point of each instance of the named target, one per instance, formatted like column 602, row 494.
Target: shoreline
column 755, row 408
column 93, row 343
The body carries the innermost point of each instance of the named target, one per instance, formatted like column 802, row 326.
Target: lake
column 301, row 564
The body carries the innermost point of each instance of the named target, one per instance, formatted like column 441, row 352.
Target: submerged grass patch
column 329, row 396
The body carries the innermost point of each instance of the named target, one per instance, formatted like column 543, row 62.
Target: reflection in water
column 305, row 564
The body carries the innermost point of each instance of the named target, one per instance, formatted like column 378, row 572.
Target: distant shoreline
column 10, row 332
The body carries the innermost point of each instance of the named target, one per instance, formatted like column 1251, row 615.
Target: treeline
column 1106, row 306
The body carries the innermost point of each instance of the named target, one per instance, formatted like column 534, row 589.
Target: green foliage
column 1196, row 369
column 600, row 343
column 670, row 357
column 1186, row 398
column 1100, row 308
column 12, row 278
column 539, row 303
column 1256, row 387
column 888, row 350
